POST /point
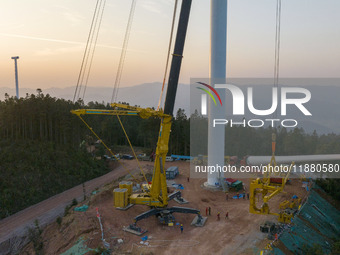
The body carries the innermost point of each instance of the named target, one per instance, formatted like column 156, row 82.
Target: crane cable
column 95, row 134
column 89, row 47
column 277, row 46
column 123, row 53
column 95, row 30
column 127, row 137
column 94, row 48
column 85, row 53
column 276, row 71
column 88, row 53
column 168, row 56
column 133, row 151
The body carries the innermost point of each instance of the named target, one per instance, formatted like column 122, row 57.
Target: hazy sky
column 50, row 35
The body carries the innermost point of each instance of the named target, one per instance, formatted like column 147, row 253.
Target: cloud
column 50, row 52
column 151, row 6
column 168, row 2
column 73, row 18
column 82, row 44
column 39, row 38
column 12, row 26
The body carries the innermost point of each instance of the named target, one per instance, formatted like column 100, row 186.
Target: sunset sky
column 50, row 35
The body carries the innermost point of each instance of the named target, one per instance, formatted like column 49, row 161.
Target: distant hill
column 145, row 95
column 324, row 105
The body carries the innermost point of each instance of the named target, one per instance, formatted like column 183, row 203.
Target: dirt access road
column 238, row 234
column 14, row 227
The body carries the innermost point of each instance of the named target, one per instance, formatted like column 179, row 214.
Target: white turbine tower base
column 218, row 53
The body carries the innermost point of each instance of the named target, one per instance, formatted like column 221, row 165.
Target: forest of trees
column 40, row 152
column 43, row 118
column 242, row 141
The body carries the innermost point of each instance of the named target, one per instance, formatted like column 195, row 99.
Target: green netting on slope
column 317, row 223
column 277, row 251
column 79, row 248
column 81, row 208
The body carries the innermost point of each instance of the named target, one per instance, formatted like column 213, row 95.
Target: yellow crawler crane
column 156, row 194
column 267, row 188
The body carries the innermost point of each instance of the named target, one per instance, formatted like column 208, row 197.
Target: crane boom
column 177, row 57
column 156, row 194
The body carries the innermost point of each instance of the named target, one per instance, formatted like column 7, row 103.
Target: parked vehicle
column 144, row 157
column 117, row 156
column 127, row 156
column 169, row 159
column 112, row 157
column 181, row 157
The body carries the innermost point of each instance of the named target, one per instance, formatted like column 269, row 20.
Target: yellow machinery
column 155, row 195
column 126, row 185
column 120, row 197
column 267, row 188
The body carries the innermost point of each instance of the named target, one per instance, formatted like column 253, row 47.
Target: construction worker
column 188, row 179
column 226, row 215
column 218, row 216
column 181, row 228
column 152, row 155
column 209, row 210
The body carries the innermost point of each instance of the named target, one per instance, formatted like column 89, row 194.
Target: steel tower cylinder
column 217, row 72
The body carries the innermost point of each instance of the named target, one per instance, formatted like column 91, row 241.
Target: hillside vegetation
column 32, row 171
column 43, row 147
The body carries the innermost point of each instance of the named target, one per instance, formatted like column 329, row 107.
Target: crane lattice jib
column 122, row 109
column 157, row 195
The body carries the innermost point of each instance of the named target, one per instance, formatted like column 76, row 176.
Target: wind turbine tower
column 16, row 75
column 218, row 59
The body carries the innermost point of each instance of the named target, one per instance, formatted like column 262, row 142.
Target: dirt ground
column 239, row 234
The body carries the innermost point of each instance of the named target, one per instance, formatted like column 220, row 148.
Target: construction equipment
column 155, row 194
column 171, row 172
column 268, row 187
column 268, row 190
